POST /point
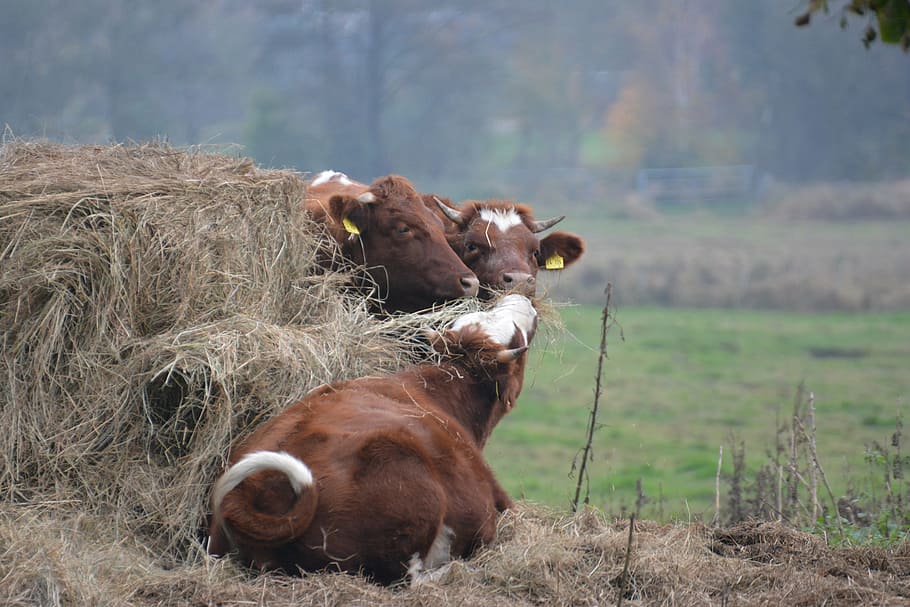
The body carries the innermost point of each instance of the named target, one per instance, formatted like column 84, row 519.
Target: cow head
column 498, row 241
column 511, row 323
column 401, row 243
column 491, row 345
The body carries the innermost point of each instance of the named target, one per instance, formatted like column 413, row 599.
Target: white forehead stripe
column 327, row 176
column 500, row 322
column 501, row 218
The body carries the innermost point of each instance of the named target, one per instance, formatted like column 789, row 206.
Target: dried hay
column 154, row 303
column 53, row 556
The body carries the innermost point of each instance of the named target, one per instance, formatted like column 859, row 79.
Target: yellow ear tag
column 352, row 228
column 555, row 262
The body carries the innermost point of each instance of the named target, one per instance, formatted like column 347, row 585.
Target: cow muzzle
column 470, row 285
column 519, row 282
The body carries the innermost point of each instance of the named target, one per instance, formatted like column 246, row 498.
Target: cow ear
column 559, row 250
column 351, row 212
column 508, row 388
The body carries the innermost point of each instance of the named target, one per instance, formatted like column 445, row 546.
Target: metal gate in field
column 693, row 185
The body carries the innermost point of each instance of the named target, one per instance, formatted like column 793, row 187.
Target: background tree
column 472, row 98
column 888, row 20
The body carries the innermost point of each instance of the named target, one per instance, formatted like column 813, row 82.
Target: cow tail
column 236, row 514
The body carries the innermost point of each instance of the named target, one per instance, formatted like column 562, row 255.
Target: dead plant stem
column 720, row 461
column 821, row 471
column 623, row 579
column 606, row 321
column 813, row 472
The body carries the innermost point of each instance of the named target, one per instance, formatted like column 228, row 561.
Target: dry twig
column 607, row 320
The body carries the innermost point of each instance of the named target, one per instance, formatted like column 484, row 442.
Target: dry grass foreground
column 53, row 557
column 155, row 303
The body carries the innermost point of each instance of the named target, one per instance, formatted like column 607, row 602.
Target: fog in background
column 470, row 98
column 578, row 108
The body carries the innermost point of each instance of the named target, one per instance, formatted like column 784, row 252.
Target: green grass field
column 680, row 384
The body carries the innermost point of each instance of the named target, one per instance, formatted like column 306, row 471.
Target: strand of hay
column 155, row 304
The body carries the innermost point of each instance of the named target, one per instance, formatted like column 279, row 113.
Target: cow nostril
column 519, row 282
column 517, row 279
column 471, row 285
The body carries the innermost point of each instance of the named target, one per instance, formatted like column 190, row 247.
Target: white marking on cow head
column 501, row 218
column 500, row 322
column 327, row 176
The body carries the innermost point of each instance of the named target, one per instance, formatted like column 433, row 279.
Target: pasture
column 681, row 384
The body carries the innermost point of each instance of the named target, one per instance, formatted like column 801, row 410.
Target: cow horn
column 540, row 226
column 507, row 356
column 367, row 198
column 453, row 214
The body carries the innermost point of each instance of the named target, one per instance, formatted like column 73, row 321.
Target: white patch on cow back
column 501, row 218
column 298, row 473
column 326, row 176
column 499, row 323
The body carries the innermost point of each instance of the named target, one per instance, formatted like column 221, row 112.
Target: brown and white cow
column 386, row 228
column 497, row 240
column 381, row 475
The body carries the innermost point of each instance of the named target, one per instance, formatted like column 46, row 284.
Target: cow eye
column 403, row 229
column 471, row 247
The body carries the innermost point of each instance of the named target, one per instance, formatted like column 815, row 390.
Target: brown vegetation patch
column 759, row 263
column 843, row 201
column 833, row 352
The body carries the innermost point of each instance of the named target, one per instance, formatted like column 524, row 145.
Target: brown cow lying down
column 386, row 228
column 497, row 240
column 381, row 475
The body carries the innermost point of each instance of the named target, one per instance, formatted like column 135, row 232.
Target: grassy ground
column 680, row 383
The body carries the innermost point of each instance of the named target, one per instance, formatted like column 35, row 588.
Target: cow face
column 494, row 342
column 402, row 244
column 498, row 241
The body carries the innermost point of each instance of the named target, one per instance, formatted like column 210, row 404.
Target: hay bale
column 154, row 303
